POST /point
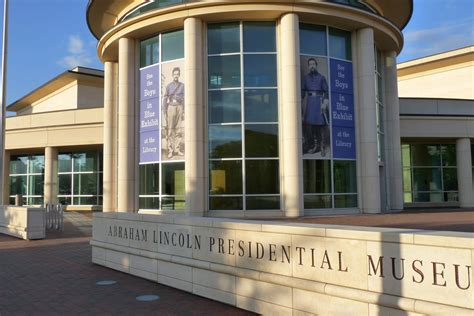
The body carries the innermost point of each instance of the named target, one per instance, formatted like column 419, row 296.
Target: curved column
column 464, row 166
column 126, row 126
column 290, row 119
column 51, row 175
column 110, row 137
column 394, row 154
column 366, row 106
column 194, row 118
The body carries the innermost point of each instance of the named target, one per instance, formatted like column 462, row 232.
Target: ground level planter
column 23, row 222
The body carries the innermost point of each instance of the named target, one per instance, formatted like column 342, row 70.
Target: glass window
column 425, row 155
column 261, row 105
column 345, row 201
column 448, row 153
column 18, row 185
column 173, row 203
column 225, row 141
column 85, row 184
column 173, row 179
column 149, row 51
column 65, row 184
column 149, row 179
column 224, row 106
column 225, row 203
column 260, row 71
column 313, row 40
column 87, row 161
column 317, row 177
column 149, row 203
column 36, row 164
column 427, row 179
column 345, row 176
column 262, row 177
column 225, row 177
column 317, row 201
column 224, row 72
column 340, row 44
column 18, row 165
column 64, row 163
column 27, row 178
column 261, row 140
column 450, row 179
column 223, row 38
column 259, row 37
column 173, row 45
column 263, row 202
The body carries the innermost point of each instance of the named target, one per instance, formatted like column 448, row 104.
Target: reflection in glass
column 64, row 163
column 18, row 165
column 262, row 177
column 448, row 153
column 260, row 71
column 261, row 140
column 173, row 203
column 345, row 176
column 225, row 177
column 224, row 72
column 345, row 201
column 340, row 44
column 149, row 203
column 149, row 179
column 65, row 184
column 173, row 178
column 450, row 179
column 18, row 185
column 225, row 141
column 317, row 176
column 85, row 200
column 261, row 105
column 225, row 203
column 317, row 201
column 223, row 38
column 224, row 106
column 85, row 184
column 36, row 164
column 36, row 185
column 313, row 40
column 263, row 202
column 425, row 155
column 86, row 161
column 172, row 45
column 427, row 179
column 149, row 51
column 259, row 37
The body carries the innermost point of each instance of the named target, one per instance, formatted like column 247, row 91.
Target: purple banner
column 150, row 115
column 150, row 83
column 149, row 147
column 341, row 76
column 343, row 142
column 342, row 109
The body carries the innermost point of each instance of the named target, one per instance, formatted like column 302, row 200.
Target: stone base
column 23, row 222
column 293, row 269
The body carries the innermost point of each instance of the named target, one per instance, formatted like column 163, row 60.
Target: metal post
column 3, row 94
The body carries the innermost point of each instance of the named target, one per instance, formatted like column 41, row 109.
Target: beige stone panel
column 435, row 309
column 175, row 240
column 144, row 274
column 99, row 262
column 328, row 260
column 295, row 229
column 261, row 307
column 89, row 116
column 99, row 230
column 192, row 221
column 375, row 310
column 78, row 135
column 17, row 122
column 115, row 232
column 118, row 258
column 214, row 280
column 237, row 224
column 445, row 239
column 211, row 239
column 321, row 304
column 175, row 271
column 26, row 139
column 263, row 291
column 144, row 264
column 436, row 127
column 300, row 313
column 53, row 119
column 263, row 252
column 178, row 284
column 396, row 235
column 216, row 295
column 429, row 272
column 98, row 253
column 145, row 235
column 64, row 98
column 240, row 272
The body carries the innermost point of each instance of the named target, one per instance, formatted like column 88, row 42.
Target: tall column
column 290, row 120
column 51, row 175
column 126, row 126
column 194, row 118
column 394, row 154
column 464, row 166
column 110, row 137
column 6, row 178
column 369, row 173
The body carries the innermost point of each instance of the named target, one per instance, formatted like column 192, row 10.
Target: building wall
column 61, row 99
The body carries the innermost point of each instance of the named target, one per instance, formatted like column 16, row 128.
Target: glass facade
column 161, row 170
column 242, row 115
column 27, row 178
column 429, row 173
column 329, row 153
column 379, row 109
column 80, row 178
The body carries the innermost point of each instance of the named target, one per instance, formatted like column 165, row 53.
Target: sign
column 149, row 147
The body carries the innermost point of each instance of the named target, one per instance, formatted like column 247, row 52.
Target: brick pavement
column 55, row 276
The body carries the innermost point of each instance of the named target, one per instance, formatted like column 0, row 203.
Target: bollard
column 19, row 200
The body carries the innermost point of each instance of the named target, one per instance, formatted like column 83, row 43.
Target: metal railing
column 54, row 216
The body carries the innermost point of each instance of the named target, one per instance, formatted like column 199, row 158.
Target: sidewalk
column 55, row 276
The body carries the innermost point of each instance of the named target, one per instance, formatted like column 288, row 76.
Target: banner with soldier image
column 172, row 110
column 315, row 108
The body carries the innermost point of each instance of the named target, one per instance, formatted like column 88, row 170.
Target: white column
column 195, row 169
column 464, row 166
column 290, row 119
column 126, row 126
column 51, row 175
column 392, row 131
column 110, row 137
column 366, row 106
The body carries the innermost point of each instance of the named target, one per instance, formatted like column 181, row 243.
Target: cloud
column 77, row 56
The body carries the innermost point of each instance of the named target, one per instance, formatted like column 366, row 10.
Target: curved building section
column 251, row 108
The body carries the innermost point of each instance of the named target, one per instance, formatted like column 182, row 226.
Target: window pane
column 225, row 141
column 449, row 155
column 451, row 197
column 173, row 203
column 262, row 177
column 340, row 44
column 173, row 178
column 407, row 179
column 18, row 165
column 313, row 40
column 261, row 105
column 149, row 203
column 64, row 163
column 259, row 37
column 36, row 164
column 224, row 72
column 317, row 201
column 225, row 177
column 85, row 161
column 224, row 106
column 172, row 45
column 345, row 176
column 85, row 184
column 149, row 52
column 261, row 140
column 263, row 203
column 260, row 71
column 317, row 176
column 450, row 179
column 149, row 179
column 425, row 155
column 225, row 203
column 17, row 185
column 85, row 200
column 65, row 184
column 426, row 179
column 35, row 201
column 428, row 197
column 223, row 38
column 345, row 201
column 64, row 200
column 406, row 157
column 36, row 185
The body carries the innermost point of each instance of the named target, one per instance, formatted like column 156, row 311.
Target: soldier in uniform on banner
column 173, row 112
column 315, row 114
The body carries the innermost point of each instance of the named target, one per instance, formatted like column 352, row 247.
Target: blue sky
column 47, row 37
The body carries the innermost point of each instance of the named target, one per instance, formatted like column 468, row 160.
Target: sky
column 48, row 37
